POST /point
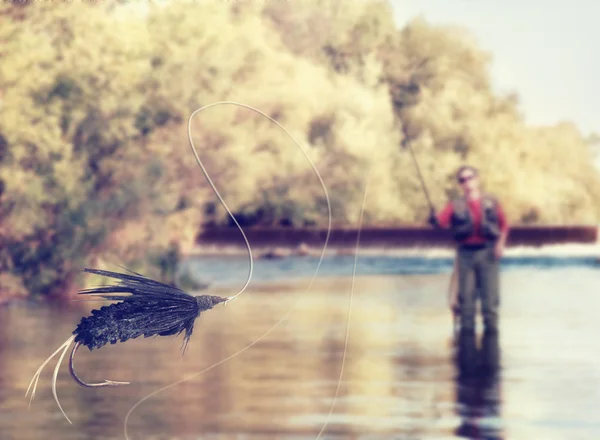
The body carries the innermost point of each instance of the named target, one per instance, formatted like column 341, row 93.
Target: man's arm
column 504, row 229
column 442, row 220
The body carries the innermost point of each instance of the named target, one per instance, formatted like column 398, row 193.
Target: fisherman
column 480, row 228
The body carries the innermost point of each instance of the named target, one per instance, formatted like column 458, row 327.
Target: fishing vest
column 462, row 225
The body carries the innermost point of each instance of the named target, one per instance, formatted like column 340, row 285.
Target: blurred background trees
column 95, row 97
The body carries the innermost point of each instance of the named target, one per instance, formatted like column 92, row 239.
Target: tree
column 94, row 155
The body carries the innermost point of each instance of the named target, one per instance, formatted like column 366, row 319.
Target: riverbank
column 219, row 263
column 282, row 241
column 10, row 289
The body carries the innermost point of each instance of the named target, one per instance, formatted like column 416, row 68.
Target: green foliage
column 94, row 159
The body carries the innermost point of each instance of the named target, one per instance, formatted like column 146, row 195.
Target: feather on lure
column 150, row 308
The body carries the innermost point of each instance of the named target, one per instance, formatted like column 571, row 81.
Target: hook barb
column 106, row 383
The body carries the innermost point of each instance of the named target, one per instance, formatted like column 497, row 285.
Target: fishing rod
column 455, row 312
column 412, row 153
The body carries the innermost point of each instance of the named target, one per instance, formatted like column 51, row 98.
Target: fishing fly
column 150, row 308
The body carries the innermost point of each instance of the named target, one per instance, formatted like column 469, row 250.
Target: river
column 405, row 376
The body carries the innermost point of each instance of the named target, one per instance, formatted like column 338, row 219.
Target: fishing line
column 368, row 180
column 347, row 337
column 190, row 377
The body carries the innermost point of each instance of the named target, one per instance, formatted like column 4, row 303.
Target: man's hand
column 499, row 249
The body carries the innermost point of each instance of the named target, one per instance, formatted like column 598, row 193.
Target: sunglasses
column 464, row 179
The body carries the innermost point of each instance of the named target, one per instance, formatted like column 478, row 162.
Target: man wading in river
column 480, row 228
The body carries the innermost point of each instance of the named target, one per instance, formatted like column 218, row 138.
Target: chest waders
column 478, row 267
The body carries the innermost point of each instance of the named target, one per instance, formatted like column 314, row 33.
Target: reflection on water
column 405, row 376
column 478, row 386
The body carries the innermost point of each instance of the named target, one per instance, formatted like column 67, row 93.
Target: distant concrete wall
column 388, row 237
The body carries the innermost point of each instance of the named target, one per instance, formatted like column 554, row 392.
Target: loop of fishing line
column 185, row 379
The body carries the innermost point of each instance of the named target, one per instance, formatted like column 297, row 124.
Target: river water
column 405, row 375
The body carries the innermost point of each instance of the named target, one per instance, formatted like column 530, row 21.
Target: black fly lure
column 146, row 307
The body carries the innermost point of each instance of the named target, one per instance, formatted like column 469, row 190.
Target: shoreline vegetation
column 95, row 166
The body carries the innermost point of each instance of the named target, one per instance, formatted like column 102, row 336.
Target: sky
column 545, row 50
